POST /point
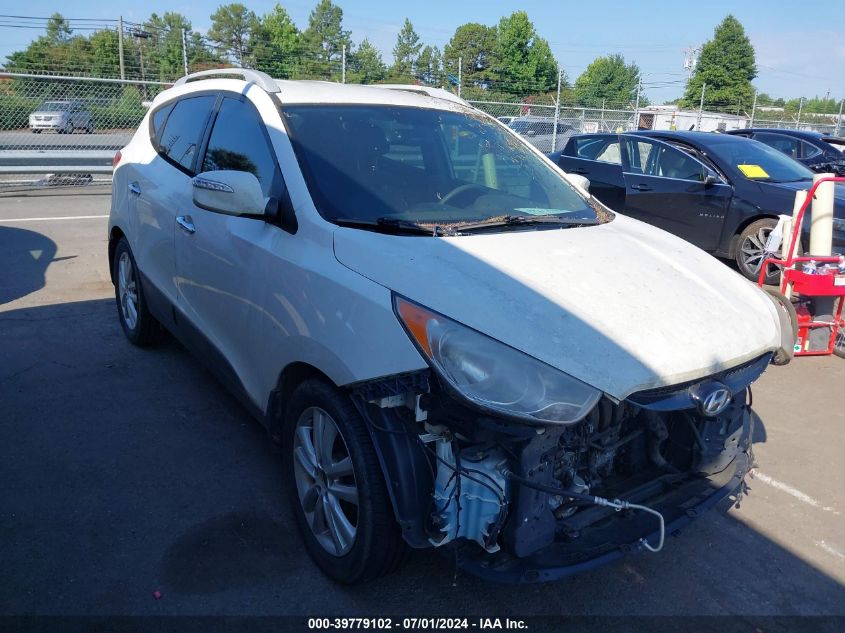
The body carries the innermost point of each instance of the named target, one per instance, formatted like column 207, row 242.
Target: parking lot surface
column 128, row 471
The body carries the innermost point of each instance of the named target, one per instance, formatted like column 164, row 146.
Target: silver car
column 61, row 116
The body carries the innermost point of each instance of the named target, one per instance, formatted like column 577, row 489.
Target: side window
column 602, row 149
column 809, row 151
column 237, row 142
column 785, row 144
column 653, row 159
column 182, row 131
column 158, row 119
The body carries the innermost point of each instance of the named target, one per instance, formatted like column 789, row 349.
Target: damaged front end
column 527, row 502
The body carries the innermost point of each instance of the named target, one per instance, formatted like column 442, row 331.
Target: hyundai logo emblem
column 710, row 398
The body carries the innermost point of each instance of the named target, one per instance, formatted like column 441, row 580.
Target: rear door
column 598, row 158
column 667, row 187
column 161, row 188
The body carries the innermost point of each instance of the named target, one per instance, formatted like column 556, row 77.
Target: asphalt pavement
column 126, row 472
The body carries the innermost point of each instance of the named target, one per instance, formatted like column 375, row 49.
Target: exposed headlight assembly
column 493, row 375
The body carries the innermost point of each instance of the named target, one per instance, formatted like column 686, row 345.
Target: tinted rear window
column 158, row 119
column 182, row 133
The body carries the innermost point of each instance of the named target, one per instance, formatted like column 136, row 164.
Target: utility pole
column 753, row 109
column 701, row 106
column 557, row 110
column 637, row 105
column 185, row 51
column 690, row 60
column 343, row 65
column 603, row 103
column 120, row 46
column 839, row 119
column 800, row 107
column 460, row 78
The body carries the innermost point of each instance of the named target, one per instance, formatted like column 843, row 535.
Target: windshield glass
column 371, row 162
column 54, row 106
column 757, row 161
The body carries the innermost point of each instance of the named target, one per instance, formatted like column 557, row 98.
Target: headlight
column 493, row 375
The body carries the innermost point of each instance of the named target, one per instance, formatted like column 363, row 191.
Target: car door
column 160, row 189
column 667, row 187
column 598, row 158
column 222, row 273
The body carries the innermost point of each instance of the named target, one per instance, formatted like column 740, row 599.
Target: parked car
column 63, row 117
column 538, row 131
column 439, row 329
column 720, row 192
column 820, row 152
column 505, row 119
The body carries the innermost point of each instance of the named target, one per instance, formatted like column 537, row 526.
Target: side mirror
column 229, row 192
column 579, row 181
column 710, row 180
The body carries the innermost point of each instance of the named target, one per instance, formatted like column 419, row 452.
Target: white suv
column 456, row 346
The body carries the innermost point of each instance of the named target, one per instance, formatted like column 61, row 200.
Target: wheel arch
column 115, row 236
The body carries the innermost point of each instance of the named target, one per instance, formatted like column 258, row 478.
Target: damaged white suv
column 456, row 346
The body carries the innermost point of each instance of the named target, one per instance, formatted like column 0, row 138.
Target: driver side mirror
column 229, row 192
column 710, row 180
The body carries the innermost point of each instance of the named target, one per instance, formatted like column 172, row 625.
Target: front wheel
column 336, row 487
column 751, row 251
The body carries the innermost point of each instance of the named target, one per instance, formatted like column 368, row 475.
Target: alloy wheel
column 325, row 481
column 753, row 249
column 127, row 291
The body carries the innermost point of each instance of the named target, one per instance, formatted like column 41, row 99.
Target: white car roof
column 313, row 92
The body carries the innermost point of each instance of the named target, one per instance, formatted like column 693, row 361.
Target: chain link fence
column 60, row 130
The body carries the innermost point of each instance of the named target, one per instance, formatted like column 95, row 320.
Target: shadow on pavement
column 26, row 256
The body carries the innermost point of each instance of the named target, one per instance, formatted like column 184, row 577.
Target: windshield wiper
column 393, row 225
column 528, row 220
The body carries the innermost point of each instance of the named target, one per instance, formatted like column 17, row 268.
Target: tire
column 750, row 251
column 138, row 324
column 839, row 343
column 89, row 129
column 36, row 131
column 69, row 129
column 374, row 546
column 784, row 357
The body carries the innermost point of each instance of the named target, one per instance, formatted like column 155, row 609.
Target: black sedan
column 819, row 152
column 722, row 193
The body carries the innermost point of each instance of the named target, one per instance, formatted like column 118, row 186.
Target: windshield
column 54, row 106
column 757, row 161
column 376, row 162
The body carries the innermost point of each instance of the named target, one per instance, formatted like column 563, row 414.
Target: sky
column 800, row 47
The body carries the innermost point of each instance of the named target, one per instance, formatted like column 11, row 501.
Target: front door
column 667, row 187
column 221, row 262
column 598, row 158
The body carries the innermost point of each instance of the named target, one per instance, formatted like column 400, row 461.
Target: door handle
column 186, row 224
column 134, row 188
column 641, row 187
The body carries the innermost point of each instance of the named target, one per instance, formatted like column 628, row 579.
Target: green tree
column 727, row 66
column 607, row 80
column 276, row 44
column 526, row 63
column 163, row 55
column 365, row 65
column 231, row 28
column 58, row 29
column 325, row 39
column 429, row 66
column 405, row 52
column 476, row 47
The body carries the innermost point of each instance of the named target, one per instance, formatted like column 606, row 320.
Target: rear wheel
column 336, row 487
column 751, row 251
column 138, row 324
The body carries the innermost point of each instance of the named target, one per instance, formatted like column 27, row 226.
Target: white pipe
column 800, row 197
column 821, row 226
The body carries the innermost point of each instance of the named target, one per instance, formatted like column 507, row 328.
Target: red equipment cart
column 804, row 286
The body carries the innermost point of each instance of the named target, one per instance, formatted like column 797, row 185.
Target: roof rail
column 263, row 80
column 437, row 93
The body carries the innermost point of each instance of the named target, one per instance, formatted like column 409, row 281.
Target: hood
column 621, row 306
column 788, row 189
column 49, row 113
